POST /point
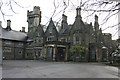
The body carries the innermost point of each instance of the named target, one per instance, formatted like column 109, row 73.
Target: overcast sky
column 19, row 19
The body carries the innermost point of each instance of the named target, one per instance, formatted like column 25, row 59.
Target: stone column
column 66, row 53
column 98, row 55
column 54, row 54
column 46, row 52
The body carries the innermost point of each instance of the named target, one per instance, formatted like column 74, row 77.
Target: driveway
column 42, row 69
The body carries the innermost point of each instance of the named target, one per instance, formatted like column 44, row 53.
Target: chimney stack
column 64, row 18
column 64, row 23
column 0, row 23
column 8, row 25
column 96, row 24
column 96, row 18
column 23, row 29
column 78, row 12
column 90, row 23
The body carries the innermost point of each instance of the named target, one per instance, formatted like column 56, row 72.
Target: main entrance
column 92, row 52
column 61, row 53
column 56, row 50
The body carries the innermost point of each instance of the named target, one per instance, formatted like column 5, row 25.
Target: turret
column 34, row 17
column 36, row 10
column 37, row 15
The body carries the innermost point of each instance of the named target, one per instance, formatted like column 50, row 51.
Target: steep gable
column 40, row 31
column 78, row 25
column 51, row 32
column 51, row 29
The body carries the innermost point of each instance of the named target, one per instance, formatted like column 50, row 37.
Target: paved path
column 39, row 69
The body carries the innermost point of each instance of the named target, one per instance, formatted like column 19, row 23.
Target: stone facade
column 13, row 42
column 51, row 44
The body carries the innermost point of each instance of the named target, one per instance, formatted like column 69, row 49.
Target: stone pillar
column 34, row 53
column 98, row 55
column 54, row 54
column 66, row 53
column 44, row 52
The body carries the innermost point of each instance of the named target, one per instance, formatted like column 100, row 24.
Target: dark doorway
column 50, row 53
column 92, row 52
column 61, row 54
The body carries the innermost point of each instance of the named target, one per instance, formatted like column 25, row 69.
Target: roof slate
column 65, row 31
column 12, row 35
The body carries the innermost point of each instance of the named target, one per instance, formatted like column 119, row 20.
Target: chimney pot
column 8, row 25
column 78, row 12
column 23, row 29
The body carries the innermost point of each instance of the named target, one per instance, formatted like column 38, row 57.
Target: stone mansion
column 54, row 45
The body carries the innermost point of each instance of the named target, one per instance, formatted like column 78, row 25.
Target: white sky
column 20, row 19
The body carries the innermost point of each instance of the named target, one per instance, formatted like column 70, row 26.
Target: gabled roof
column 53, row 29
column 78, row 25
column 12, row 35
column 40, row 30
column 65, row 31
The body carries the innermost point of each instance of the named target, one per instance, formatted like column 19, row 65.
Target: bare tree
column 109, row 7
column 9, row 5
